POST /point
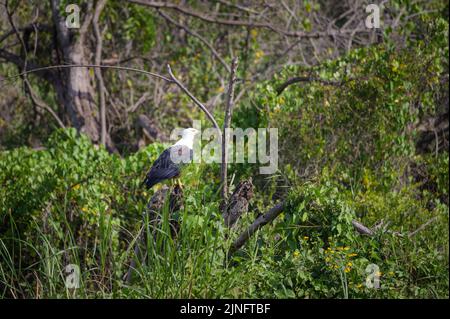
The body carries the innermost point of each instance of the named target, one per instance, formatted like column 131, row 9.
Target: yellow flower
column 391, row 273
column 296, row 253
column 346, row 248
column 379, row 273
column 306, row 238
column 359, row 286
column 349, row 264
column 77, row 186
column 366, row 180
column 259, row 54
column 220, row 89
column 254, row 33
column 327, row 259
column 84, row 209
column 352, row 255
column 347, row 269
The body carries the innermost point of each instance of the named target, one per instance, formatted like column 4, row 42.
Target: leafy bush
column 347, row 153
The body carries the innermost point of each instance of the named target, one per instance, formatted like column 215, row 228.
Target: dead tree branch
column 62, row 66
column 238, row 203
column 253, row 24
column 298, row 79
column 38, row 102
column 199, row 37
column 98, row 72
column 257, row 224
column 360, row 228
column 226, row 126
column 413, row 233
column 34, row 97
column 193, row 98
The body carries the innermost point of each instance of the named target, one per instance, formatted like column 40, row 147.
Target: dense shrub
column 348, row 152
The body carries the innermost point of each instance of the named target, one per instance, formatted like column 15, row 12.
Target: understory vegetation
column 352, row 147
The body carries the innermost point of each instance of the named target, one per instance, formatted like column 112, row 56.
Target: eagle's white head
column 189, row 132
column 187, row 137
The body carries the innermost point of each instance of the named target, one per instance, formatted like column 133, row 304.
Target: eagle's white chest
column 187, row 141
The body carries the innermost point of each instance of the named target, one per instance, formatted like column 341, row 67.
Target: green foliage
column 347, row 152
column 138, row 26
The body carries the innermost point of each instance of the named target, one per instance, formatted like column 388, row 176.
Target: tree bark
column 78, row 97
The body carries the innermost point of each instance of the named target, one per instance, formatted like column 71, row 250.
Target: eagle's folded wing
column 168, row 165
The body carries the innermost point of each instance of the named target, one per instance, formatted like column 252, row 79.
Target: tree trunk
column 79, row 97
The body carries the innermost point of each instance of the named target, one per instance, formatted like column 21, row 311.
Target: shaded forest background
column 363, row 128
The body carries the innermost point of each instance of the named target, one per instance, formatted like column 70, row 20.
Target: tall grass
column 189, row 264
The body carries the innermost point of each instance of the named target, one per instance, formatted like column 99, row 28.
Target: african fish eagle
column 169, row 163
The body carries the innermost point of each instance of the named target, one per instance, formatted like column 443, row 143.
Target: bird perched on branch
column 169, row 163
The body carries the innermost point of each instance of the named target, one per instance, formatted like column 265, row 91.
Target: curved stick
column 173, row 79
column 62, row 66
column 193, row 98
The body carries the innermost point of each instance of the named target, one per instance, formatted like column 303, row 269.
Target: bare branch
column 62, row 66
column 240, row 23
column 98, row 73
column 226, row 137
column 37, row 101
column 240, row 7
column 198, row 36
column 19, row 62
column 431, row 220
column 193, row 98
column 360, row 228
column 257, row 224
column 298, row 79
column 141, row 100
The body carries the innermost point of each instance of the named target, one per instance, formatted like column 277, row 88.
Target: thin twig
column 226, row 126
column 62, row 66
column 141, row 100
column 38, row 102
column 298, row 79
column 198, row 36
column 34, row 98
column 242, row 23
column 193, row 98
column 412, row 234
